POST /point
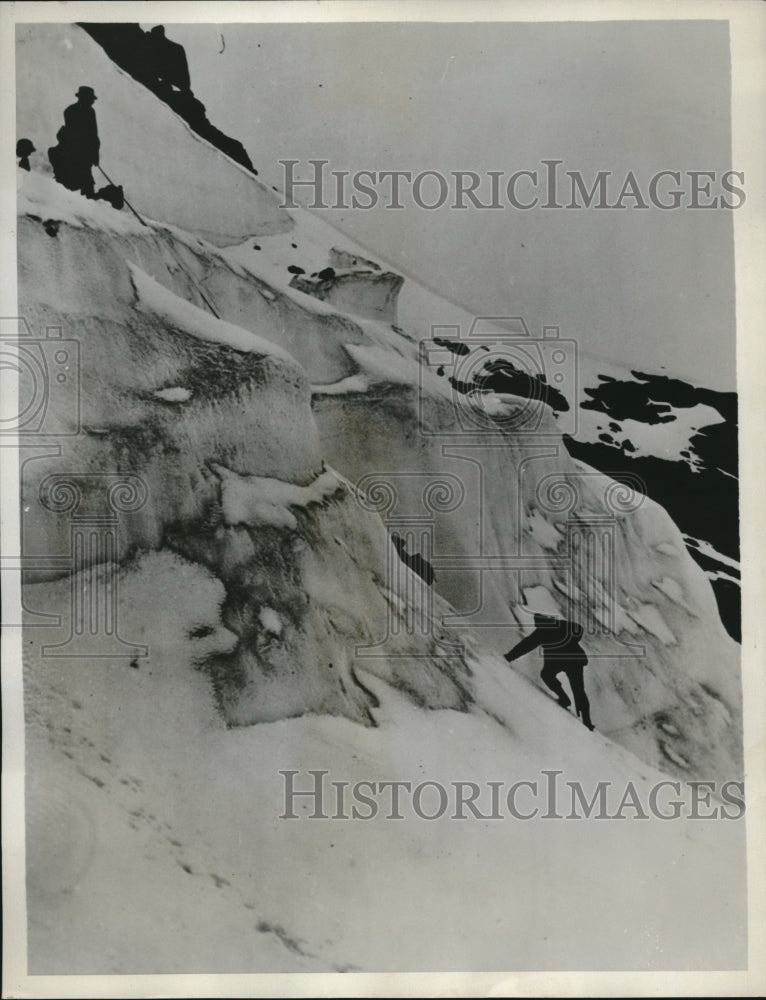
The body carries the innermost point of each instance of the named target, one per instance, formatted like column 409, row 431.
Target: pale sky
column 647, row 287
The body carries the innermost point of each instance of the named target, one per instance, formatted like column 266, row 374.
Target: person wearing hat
column 78, row 146
column 24, row 149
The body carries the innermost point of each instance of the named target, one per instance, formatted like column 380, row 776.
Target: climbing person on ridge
column 78, row 146
column 24, row 149
column 167, row 60
column 562, row 653
column 415, row 561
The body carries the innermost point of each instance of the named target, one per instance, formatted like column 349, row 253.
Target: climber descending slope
column 561, row 652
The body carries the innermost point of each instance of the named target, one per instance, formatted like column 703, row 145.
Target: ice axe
column 204, row 297
column 110, row 181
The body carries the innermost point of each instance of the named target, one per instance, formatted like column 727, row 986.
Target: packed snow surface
column 153, row 298
column 260, row 500
column 140, row 786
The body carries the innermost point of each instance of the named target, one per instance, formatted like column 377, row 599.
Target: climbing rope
column 191, row 277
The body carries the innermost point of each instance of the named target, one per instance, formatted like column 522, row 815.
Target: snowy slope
column 360, row 433
column 155, row 841
column 255, row 422
column 145, row 147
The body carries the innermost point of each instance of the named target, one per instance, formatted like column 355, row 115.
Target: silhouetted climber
column 562, row 652
column 167, row 60
column 24, row 150
column 78, row 146
column 161, row 65
column 415, row 562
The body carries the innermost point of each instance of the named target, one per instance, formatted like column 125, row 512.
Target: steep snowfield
column 155, row 842
column 127, row 288
column 272, row 445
